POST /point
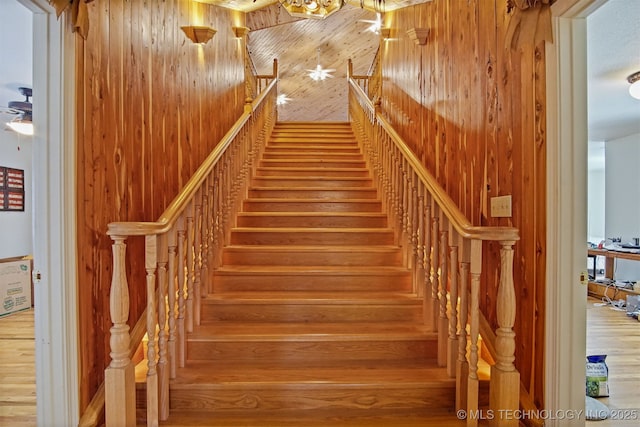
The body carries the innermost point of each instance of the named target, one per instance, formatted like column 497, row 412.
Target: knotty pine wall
column 151, row 106
column 473, row 111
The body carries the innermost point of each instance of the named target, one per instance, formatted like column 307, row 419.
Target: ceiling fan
column 18, row 115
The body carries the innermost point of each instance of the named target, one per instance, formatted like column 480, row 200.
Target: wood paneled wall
column 473, row 111
column 151, row 106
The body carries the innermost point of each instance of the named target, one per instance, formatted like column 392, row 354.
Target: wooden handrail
column 168, row 218
column 458, row 219
column 444, row 251
column 182, row 249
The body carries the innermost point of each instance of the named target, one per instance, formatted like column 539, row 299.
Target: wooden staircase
column 310, row 319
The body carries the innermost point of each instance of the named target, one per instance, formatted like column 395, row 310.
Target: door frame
column 566, row 295
column 54, row 217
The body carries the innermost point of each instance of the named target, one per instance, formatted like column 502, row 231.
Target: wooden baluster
column 204, row 242
column 151, row 263
column 452, row 349
column 191, row 265
column 182, row 292
column 406, row 236
column 420, row 258
column 120, row 387
column 197, row 256
column 430, row 292
column 435, row 268
column 443, row 324
column 171, row 300
column 505, row 379
column 462, row 366
column 163, row 366
column 474, row 330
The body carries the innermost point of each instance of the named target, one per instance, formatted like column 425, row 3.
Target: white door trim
column 566, row 210
column 55, row 294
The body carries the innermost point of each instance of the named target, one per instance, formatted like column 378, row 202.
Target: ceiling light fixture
column 316, row 9
column 198, row 34
column 634, row 81
column 22, row 113
column 282, row 99
column 320, row 73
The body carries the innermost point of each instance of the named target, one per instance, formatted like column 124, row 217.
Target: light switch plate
column 501, row 207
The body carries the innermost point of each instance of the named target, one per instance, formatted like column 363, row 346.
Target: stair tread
column 292, row 332
column 314, row 248
column 310, row 188
column 307, row 213
column 216, row 376
column 314, row 297
column 312, row 270
column 396, row 417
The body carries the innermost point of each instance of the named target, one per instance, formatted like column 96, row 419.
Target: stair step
column 311, row 278
column 334, row 417
column 312, row 255
column 299, row 342
column 315, row 163
column 311, row 236
column 311, row 307
column 312, row 219
column 359, row 181
column 334, row 147
column 265, row 204
column 279, row 153
column 292, row 192
column 312, row 172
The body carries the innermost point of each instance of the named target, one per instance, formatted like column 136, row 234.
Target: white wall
column 596, row 193
column 15, row 227
column 16, row 63
column 622, row 199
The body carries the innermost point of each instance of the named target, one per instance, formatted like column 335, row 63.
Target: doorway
column 54, row 244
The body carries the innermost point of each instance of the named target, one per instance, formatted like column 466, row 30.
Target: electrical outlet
column 501, row 207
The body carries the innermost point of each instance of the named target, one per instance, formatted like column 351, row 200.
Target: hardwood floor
column 17, row 373
column 609, row 332
column 617, row 335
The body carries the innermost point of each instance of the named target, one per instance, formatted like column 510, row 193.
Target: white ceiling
column 15, row 51
column 613, row 53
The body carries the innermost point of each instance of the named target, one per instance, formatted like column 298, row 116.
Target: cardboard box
column 15, row 286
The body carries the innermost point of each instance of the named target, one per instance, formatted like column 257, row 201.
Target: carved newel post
column 505, row 379
column 120, row 399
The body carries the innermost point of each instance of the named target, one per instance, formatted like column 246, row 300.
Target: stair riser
column 327, row 136
column 301, row 172
column 302, row 193
column 300, row 351
column 303, row 238
column 314, row 397
column 311, row 206
column 290, row 312
column 293, row 282
column 256, row 256
column 293, row 147
column 312, row 221
column 279, row 181
column 312, row 163
column 309, row 155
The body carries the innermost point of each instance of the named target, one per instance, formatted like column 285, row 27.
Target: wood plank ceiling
column 295, row 42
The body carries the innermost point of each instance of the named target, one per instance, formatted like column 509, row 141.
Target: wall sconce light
column 198, row 34
column 385, row 33
column 634, row 80
column 418, row 35
column 240, row 32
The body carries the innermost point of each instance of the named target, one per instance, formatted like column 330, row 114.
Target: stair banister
column 188, row 229
column 446, row 255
